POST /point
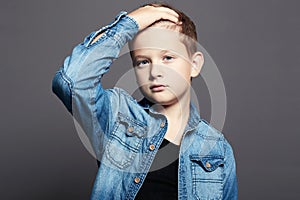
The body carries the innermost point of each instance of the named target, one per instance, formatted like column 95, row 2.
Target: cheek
column 178, row 77
column 142, row 80
column 140, row 76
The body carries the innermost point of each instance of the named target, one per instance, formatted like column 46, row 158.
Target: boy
column 127, row 135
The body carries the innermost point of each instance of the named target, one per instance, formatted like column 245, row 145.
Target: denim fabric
column 120, row 129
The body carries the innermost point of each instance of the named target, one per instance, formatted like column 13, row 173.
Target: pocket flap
column 133, row 127
column 208, row 163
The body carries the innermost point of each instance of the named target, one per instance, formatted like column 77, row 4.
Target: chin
column 163, row 102
column 161, row 99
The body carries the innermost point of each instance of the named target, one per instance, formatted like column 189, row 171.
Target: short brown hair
column 188, row 27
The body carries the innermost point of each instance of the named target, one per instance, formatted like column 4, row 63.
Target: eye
column 141, row 63
column 168, row 58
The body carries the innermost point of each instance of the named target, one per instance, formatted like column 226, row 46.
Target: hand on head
column 147, row 15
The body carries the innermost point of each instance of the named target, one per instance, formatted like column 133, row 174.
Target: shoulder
column 214, row 138
column 122, row 102
column 207, row 131
column 120, row 94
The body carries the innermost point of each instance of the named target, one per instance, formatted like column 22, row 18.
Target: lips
column 157, row 87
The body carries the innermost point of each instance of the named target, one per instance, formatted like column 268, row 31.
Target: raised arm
column 147, row 15
column 78, row 82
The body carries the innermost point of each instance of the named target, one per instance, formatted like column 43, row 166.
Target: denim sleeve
column 78, row 82
column 230, row 190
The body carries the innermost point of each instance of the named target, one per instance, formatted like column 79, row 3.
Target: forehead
column 159, row 38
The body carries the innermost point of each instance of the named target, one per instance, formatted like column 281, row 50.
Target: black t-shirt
column 162, row 179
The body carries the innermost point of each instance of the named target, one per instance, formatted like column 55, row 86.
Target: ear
column 197, row 63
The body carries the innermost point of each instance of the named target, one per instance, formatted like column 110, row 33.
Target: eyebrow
column 165, row 51
column 145, row 56
column 140, row 56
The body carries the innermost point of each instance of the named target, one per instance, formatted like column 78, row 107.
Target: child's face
column 162, row 65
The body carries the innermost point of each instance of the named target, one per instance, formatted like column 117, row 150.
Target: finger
column 169, row 11
column 170, row 15
column 166, row 16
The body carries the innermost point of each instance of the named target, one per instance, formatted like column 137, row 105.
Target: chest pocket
column 207, row 177
column 125, row 141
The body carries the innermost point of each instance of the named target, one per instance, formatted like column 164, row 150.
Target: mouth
column 157, row 87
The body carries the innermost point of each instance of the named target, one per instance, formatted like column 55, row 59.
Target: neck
column 177, row 111
column 177, row 115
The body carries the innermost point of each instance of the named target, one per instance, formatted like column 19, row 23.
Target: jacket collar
column 194, row 116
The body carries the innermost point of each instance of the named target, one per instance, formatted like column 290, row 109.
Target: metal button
column 137, row 179
column 162, row 124
column 208, row 165
column 152, row 147
column 130, row 129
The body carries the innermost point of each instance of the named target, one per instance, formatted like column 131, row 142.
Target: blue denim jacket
column 121, row 130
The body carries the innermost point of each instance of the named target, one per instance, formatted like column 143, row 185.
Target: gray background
column 255, row 45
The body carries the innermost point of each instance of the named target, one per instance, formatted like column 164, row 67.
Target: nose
column 156, row 70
